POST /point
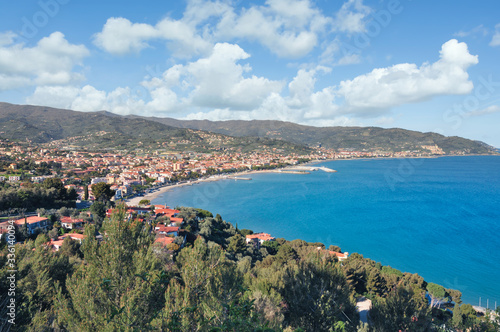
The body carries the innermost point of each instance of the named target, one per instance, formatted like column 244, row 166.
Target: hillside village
column 129, row 173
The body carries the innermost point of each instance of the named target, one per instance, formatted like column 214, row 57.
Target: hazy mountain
column 332, row 137
column 103, row 129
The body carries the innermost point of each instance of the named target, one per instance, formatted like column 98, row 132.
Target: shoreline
column 134, row 201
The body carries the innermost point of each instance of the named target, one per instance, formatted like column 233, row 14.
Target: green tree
column 437, row 293
column 85, row 192
column 57, row 184
column 400, row 311
column 98, row 210
column 237, row 244
column 102, row 191
column 144, row 202
column 120, row 288
column 318, row 298
column 464, row 316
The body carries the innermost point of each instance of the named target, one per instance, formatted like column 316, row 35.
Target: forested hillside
column 209, row 279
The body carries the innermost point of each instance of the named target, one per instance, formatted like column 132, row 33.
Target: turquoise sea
column 438, row 217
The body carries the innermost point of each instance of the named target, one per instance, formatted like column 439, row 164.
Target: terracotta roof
column 166, row 229
column 164, row 240
column 69, row 220
column 30, row 220
column 73, row 236
column 260, row 236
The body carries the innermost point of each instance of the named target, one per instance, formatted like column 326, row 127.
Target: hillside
column 358, row 138
column 105, row 130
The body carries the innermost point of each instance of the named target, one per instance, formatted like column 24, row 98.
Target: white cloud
column 87, row 99
column 50, row 62
column 488, row 110
column 288, row 28
column 7, row 38
column 384, row 88
column 351, row 16
column 495, row 41
column 119, row 36
column 215, row 81
column 480, row 29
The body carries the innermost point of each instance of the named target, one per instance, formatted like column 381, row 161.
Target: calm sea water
column 438, row 217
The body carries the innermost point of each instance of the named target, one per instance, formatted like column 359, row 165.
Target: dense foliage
column 211, row 280
column 50, row 194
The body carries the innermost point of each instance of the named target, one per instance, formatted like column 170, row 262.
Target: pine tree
column 121, row 285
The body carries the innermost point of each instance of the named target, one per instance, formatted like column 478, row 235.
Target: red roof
column 168, row 212
column 173, row 219
column 338, row 254
column 69, row 220
column 74, row 236
column 166, row 229
column 260, row 236
column 164, row 240
column 30, row 220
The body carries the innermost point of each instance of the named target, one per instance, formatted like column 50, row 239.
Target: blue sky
column 420, row 65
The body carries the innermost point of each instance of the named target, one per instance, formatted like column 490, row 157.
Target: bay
column 438, row 217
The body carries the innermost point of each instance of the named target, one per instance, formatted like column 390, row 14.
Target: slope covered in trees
column 215, row 282
column 358, row 138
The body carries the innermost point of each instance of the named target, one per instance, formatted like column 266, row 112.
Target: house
column 340, row 256
column 138, row 210
column 164, row 240
column 167, row 230
column 166, row 212
column 70, row 223
column 174, row 220
column 73, row 236
column 14, row 178
column 33, row 223
column 56, row 244
column 258, row 239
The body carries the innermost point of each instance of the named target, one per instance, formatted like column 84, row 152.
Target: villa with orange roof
column 33, row 223
column 70, row 223
column 258, row 239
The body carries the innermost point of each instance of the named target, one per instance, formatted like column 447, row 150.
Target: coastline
column 287, row 170
column 134, row 201
column 432, row 278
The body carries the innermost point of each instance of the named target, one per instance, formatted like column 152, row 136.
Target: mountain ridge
column 42, row 124
column 338, row 137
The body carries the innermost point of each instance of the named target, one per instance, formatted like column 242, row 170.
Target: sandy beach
column 158, row 191
column 297, row 169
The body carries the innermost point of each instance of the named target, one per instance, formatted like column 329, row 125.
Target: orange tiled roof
column 30, row 220
column 260, row 236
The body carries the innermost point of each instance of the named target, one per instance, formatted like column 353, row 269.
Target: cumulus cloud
column 288, row 28
column 120, row 36
column 384, row 88
column 50, row 62
column 87, row 99
column 216, row 81
column 495, row 41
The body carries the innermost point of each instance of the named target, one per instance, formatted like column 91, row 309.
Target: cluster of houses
column 165, row 233
column 258, row 239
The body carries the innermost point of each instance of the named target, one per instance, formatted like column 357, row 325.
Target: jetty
column 289, row 171
column 313, row 168
column 241, row 178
